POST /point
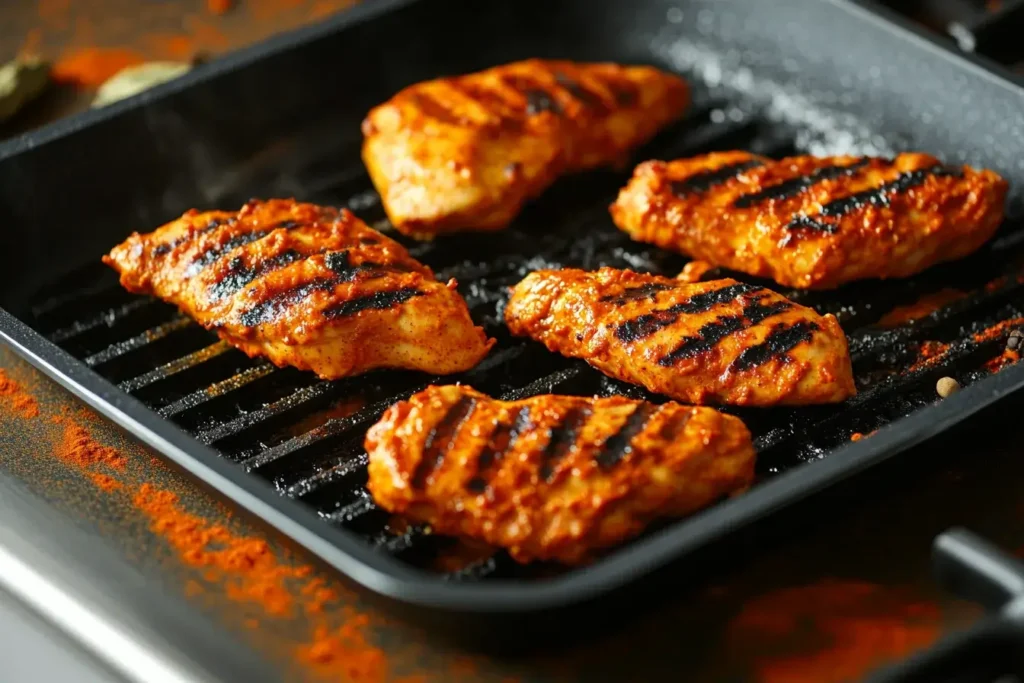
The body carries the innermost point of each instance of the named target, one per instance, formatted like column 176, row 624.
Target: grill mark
column 781, row 339
column 876, row 196
column 502, row 440
column 489, row 99
column 625, row 93
column 238, row 275
column 167, row 247
column 672, row 428
column 586, row 97
column 619, row 445
column 539, row 101
column 647, row 324
column 377, row 301
column 705, row 180
column 710, row 334
column 650, row 290
column 441, row 438
column 795, row 186
column 561, row 438
column 340, row 264
column 215, row 252
column 435, row 110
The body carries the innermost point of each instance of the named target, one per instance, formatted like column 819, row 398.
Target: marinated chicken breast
column 466, row 153
column 813, row 222
column 551, row 477
column 304, row 285
column 707, row 342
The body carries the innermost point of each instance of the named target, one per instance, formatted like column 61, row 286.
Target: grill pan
column 282, row 119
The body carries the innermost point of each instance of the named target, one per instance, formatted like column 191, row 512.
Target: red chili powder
column 92, row 66
column 345, row 651
column 105, row 482
column 19, row 400
column 930, row 353
column 78, row 448
column 833, row 631
column 219, row 7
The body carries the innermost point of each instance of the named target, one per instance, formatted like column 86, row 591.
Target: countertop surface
column 841, row 587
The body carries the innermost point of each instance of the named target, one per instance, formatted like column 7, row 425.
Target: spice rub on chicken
column 552, row 477
column 813, row 222
column 304, row 285
column 720, row 342
column 465, row 153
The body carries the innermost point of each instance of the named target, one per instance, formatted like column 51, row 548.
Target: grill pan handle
column 974, row 569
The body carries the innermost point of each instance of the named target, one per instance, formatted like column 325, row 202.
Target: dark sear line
column 705, row 180
column 710, row 334
column 378, row 301
column 620, row 444
column 635, row 293
column 647, row 324
column 168, row 247
column 587, row 98
column 539, row 101
column 561, row 438
column 502, row 440
column 671, row 429
column 795, row 186
column 215, row 252
column 781, row 339
column 440, row 439
column 436, row 110
column 338, row 262
column 876, row 196
column 239, row 275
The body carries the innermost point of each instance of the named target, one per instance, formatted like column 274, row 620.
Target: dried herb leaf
column 21, row 81
column 135, row 79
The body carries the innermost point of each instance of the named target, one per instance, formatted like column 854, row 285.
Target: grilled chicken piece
column 304, row 285
column 813, row 222
column 707, row 342
column 552, row 477
column 466, row 153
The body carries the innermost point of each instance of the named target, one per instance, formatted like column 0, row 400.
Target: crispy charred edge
column 562, row 436
column 340, row 263
column 646, row 291
column 875, row 196
column 215, row 252
column 782, row 339
column 620, row 444
column 647, row 324
column 167, row 247
column 705, row 180
column 710, row 334
column 441, row 438
column 793, row 187
column 500, row 443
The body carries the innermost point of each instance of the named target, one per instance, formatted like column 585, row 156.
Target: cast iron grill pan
column 303, row 436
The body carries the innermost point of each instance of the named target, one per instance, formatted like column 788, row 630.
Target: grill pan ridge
column 287, row 446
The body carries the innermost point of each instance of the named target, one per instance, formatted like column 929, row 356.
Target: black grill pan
column 282, row 119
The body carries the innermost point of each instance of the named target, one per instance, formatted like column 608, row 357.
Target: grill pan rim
column 391, row 578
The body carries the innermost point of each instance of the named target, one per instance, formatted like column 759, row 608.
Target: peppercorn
column 1014, row 342
column 947, row 386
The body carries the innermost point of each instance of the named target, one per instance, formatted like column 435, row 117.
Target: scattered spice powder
column 13, row 394
column 930, row 353
column 1007, row 357
column 219, row 7
column 105, row 482
column 923, row 307
column 91, row 66
column 346, row 652
column 78, row 448
column 833, row 630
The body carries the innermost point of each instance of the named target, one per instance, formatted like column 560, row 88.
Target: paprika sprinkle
column 12, row 393
column 92, row 66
